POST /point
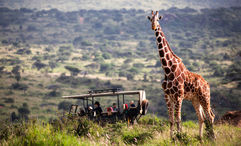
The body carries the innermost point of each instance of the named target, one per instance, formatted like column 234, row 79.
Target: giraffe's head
column 154, row 20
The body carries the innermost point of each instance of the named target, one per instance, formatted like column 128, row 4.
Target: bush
column 105, row 67
column 136, row 136
column 24, row 51
column 134, row 70
column 9, row 100
column 183, row 138
column 18, row 86
column 39, row 65
column 53, row 93
column 73, row 70
column 138, row 65
column 189, row 124
column 106, row 55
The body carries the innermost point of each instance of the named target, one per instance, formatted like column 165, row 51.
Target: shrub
column 106, row 55
column 183, row 138
column 189, row 124
column 105, row 67
column 130, row 76
column 138, row 65
column 53, row 93
column 134, row 70
column 19, row 86
column 39, row 65
column 23, row 51
column 73, row 70
column 136, row 136
column 9, row 100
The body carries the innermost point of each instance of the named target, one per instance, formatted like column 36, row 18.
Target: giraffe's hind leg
column 199, row 112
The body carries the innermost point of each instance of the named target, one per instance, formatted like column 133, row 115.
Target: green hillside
column 73, row 5
column 48, row 54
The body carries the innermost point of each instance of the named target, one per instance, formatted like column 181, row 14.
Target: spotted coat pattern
column 180, row 83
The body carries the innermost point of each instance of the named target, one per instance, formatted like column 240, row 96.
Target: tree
column 1, row 70
column 106, row 55
column 14, row 117
column 39, row 65
column 24, row 111
column 16, row 72
column 77, row 41
column 73, row 70
column 130, row 76
column 19, row 86
column 234, row 71
column 105, row 67
column 52, row 65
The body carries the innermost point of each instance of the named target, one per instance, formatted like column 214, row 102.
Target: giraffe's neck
column 168, row 59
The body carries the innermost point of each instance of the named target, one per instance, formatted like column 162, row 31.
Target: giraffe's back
column 195, row 87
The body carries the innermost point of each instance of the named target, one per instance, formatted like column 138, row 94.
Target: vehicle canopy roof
column 141, row 93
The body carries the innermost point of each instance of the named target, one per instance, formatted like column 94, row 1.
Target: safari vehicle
column 123, row 112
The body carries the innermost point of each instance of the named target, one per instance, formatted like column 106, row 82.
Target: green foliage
column 189, row 124
column 38, row 64
column 134, row 70
column 138, row 65
column 19, row 86
column 43, row 135
column 16, row 72
column 185, row 139
column 136, row 136
column 158, row 124
column 106, row 55
column 9, row 100
column 72, row 130
column 23, row 111
column 73, row 70
column 105, row 67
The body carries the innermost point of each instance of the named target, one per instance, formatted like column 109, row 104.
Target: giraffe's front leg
column 178, row 107
column 170, row 107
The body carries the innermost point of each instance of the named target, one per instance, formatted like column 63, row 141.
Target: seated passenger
column 115, row 109
column 81, row 112
column 109, row 111
column 125, row 111
column 125, row 106
column 97, row 109
column 90, row 109
column 132, row 104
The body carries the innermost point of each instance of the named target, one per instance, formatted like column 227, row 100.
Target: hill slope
column 40, row 50
column 73, row 5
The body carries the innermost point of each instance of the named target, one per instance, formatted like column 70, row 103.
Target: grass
column 84, row 132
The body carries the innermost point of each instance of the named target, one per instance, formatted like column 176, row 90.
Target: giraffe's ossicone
column 180, row 83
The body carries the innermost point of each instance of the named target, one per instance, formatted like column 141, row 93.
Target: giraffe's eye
column 149, row 18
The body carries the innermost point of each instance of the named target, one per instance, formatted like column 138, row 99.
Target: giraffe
column 179, row 83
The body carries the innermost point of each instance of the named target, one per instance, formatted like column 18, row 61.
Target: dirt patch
column 231, row 117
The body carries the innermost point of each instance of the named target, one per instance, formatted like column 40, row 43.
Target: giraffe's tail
column 208, row 117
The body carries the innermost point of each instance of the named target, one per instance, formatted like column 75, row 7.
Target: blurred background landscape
column 53, row 48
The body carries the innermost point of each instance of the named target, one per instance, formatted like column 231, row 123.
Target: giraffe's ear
column 149, row 18
column 160, row 17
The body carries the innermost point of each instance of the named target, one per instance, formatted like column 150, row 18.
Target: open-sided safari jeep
column 123, row 111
